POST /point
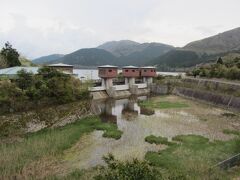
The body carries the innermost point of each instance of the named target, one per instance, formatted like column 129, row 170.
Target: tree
column 24, row 79
column 3, row 62
column 11, row 55
column 233, row 73
column 219, row 61
column 196, row 72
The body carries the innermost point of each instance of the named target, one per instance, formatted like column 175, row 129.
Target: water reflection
column 112, row 110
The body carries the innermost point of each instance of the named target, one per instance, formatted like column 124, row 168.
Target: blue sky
column 42, row 27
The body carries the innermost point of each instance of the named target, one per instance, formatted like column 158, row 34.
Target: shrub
column 229, row 70
column 130, row 170
column 48, row 87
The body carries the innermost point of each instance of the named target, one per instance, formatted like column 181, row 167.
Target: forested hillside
column 89, row 57
column 223, row 42
column 47, row 59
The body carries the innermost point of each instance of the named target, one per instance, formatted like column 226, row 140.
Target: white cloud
column 43, row 27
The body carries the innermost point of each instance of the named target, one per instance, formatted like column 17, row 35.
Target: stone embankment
column 225, row 101
column 35, row 120
column 221, row 93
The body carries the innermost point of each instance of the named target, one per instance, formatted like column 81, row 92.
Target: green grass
column 116, row 134
column 162, row 104
column 48, row 143
column 194, row 156
column 229, row 131
column 158, row 140
column 110, row 130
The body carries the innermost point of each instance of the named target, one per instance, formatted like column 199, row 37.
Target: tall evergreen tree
column 219, row 61
column 11, row 55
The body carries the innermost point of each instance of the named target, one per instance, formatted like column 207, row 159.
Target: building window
column 151, row 70
column 109, row 70
column 126, row 70
column 145, row 70
column 133, row 70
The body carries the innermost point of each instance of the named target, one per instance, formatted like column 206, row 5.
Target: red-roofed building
column 107, row 71
column 148, row 71
column 130, row 71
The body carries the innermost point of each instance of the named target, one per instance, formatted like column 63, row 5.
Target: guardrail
column 121, row 87
column 98, row 88
column 230, row 162
column 142, row 85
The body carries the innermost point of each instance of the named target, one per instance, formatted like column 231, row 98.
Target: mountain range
column 165, row 57
column 223, row 42
column 47, row 59
column 119, row 53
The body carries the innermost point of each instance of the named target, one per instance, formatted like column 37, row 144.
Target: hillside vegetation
column 198, row 52
column 229, row 69
column 88, row 57
column 120, row 48
column 47, row 59
column 223, row 42
column 25, row 62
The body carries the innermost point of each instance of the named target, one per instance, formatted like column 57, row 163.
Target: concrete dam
column 130, row 87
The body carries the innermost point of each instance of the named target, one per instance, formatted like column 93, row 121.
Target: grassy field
column 162, row 104
column 48, row 143
column 192, row 156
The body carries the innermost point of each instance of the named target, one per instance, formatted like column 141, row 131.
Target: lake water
column 92, row 74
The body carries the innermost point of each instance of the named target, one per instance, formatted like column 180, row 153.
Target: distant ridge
column 47, row 59
column 202, row 51
column 88, row 57
column 120, row 48
column 223, row 42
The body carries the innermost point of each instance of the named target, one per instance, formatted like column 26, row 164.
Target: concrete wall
column 216, row 86
column 148, row 72
column 213, row 98
column 131, row 72
column 159, row 89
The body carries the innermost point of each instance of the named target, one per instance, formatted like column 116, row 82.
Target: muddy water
column 137, row 123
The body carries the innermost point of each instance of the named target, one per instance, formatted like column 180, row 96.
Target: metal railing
column 230, row 162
